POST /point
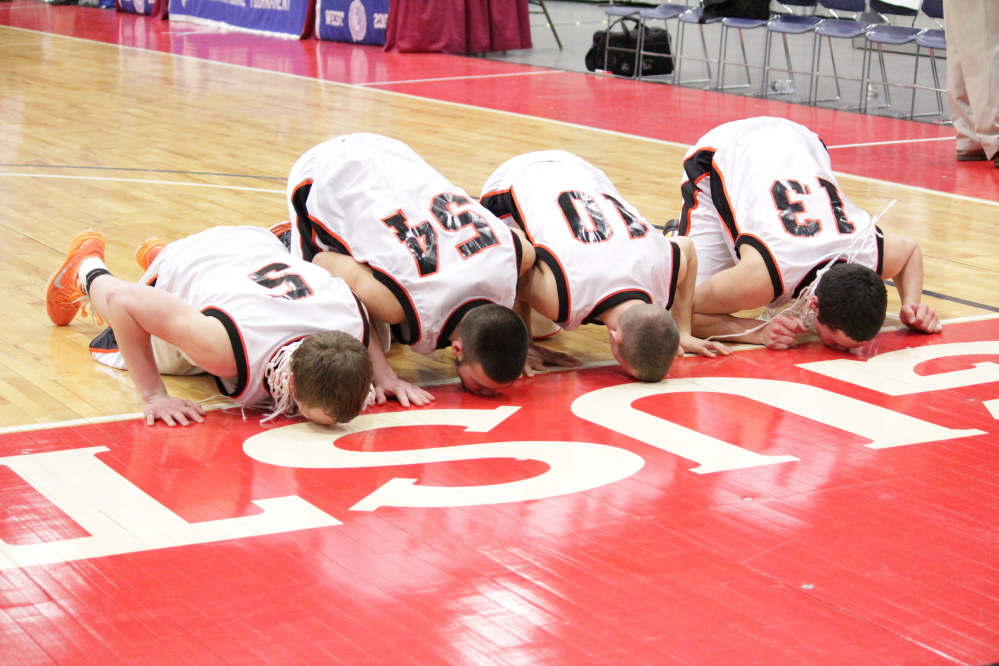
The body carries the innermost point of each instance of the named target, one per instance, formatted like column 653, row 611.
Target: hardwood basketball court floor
column 800, row 507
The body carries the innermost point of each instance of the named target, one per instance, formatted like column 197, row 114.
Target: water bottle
column 872, row 91
column 782, row 87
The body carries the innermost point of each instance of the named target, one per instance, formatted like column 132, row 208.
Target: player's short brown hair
column 649, row 340
column 495, row 337
column 852, row 299
column 333, row 373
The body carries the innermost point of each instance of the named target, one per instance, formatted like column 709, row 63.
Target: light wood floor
column 137, row 144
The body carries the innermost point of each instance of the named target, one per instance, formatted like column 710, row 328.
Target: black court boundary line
column 189, row 173
column 955, row 299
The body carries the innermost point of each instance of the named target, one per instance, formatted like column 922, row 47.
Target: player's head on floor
column 850, row 304
column 490, row 348
column 646, row 342
column 331, row 375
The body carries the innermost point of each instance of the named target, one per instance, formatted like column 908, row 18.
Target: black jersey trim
column 309, row 230
column 366, row 325
column 410, row 333
column 561, row 283
column 444, row 341
column 880, row 239
column 674, row 274
column 502, row 203
column 695, row 167
column 518, row 249
column 615, row 299
column 810, row 276
column 238, row 352
column 768, row 259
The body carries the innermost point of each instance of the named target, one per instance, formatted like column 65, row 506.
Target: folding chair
column 932, row 40
column 663, row 13
column 784, row 25
column 879, row 35
column 740, row 24
column 692, row 16
column 836, row 27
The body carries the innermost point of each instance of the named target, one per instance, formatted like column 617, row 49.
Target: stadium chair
column 664, row 13
column 692, row 16
column 784, row 25
column 616, row 14
column 879, row 35
column 740, row 24
column 837, row 27
column 932, row 40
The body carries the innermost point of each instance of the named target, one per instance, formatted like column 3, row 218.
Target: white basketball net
column 278, row 375
column 799, row 308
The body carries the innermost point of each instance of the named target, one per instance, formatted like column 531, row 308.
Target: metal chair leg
column 866, row 68
column 551, row 23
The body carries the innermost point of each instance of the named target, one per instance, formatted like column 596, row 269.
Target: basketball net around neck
column 800, row 308
column 278, row 376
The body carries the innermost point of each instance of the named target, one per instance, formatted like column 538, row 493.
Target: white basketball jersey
column 438, row 251
column 265, row 298
column 770, row 183
column 600, row 249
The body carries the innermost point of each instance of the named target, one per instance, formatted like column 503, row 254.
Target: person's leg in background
column 973, row 76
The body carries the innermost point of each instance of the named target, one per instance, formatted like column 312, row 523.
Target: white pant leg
column 714, row 246
column 972, row 28
column 169, row 359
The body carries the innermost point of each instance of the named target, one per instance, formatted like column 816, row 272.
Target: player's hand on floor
column 407, row 394
column 920, row 317
column 709, row 348
column 538, row 357
column 172, row 411
column 781, row 332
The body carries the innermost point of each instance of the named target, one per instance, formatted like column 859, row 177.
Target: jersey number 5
column 295, row 287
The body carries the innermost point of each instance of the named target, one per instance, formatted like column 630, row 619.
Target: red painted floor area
column 775, row 538
column 748, row 511
column 644, row 109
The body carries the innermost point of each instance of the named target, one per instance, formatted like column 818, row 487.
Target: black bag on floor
column 622, row 63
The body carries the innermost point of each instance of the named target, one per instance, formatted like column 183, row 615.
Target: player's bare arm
column 745, row 286
column 683, row 304
column 779, row 333
column 136, row 313
column 379, row 301
column 387, row 383
column 903, row 262
column 528, row 257
column 538, row 290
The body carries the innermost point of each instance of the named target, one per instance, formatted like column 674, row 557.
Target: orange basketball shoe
column 148, row 251
column 63, row 293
